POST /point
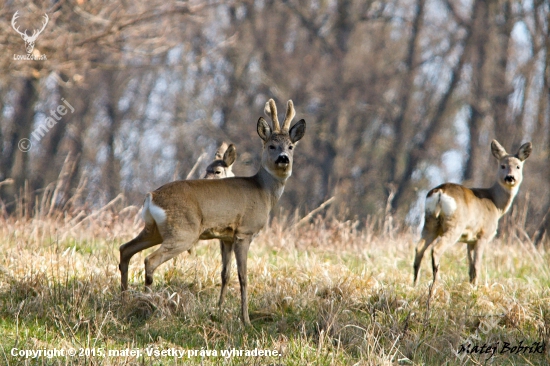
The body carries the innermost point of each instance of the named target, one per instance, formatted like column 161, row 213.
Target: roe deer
column 234, row 210
column 222, row 166
column 455, row 213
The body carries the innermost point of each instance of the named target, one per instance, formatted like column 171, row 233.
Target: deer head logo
column 29, row 40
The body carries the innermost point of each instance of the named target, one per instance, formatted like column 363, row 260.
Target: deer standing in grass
column 222, row 166
column 233, row 210
column 455, row 213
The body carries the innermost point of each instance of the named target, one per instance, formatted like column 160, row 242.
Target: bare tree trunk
column 505, row 128
column 543, row 231
column 44, row 174
column 111, row 169
column 436, row 121
column 397, row 152
column 15, row 160
column 478, row 104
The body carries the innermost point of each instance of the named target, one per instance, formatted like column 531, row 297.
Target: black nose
column 509, row 179
column 282, row 159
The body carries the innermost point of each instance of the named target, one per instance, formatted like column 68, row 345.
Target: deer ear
column 497, row 150
column 230, row 155
column 524, row 151
column 297, row 131
column 263, row 129
column 221, row 151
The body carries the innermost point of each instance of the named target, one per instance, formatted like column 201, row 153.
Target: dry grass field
column 324, row 293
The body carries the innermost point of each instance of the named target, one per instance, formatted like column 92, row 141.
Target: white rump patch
column 440, row 202
column 432, row 203
column 152, row 213
column 448, row 204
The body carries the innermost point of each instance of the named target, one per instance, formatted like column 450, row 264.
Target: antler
column 13, row 19
column 271, row 110
column 36, row 33
column 290, row 113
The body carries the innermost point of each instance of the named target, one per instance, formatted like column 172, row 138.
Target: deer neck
column 503, row 197
column 272, row 185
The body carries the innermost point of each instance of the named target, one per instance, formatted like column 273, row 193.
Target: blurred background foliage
column 398, row 96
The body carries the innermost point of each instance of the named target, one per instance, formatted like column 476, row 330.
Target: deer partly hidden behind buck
column 222, row 166
column 234, row 210
column 455, row 213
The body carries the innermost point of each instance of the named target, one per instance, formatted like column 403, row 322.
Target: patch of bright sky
column 525, row 96
column 452, row 165
column 259, row 4
column 175, row 55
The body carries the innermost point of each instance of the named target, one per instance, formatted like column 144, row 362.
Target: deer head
column 222, row 165
column 279, row 142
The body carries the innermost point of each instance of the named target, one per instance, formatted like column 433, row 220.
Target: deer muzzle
column 510, row 179
column 282, row 160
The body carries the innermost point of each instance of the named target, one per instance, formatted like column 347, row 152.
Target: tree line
column 399, row 95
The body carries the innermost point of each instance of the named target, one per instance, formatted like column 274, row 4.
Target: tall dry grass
column 322, row 292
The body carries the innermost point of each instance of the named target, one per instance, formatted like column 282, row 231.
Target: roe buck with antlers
column 234, row 210
column 29, row 40
column 455, row 213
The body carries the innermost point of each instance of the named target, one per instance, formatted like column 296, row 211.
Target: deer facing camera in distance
column 455, row 213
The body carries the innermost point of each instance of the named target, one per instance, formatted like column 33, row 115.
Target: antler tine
column 221, row 150
column 46, row 20
column 36, row 32
column 290, row 113
column 13, row 19
column 271, row 111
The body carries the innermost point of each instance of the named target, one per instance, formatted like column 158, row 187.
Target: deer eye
column 502, row 167
column 271, row 147
column 218, row 172
column 291, row 147
column 518, row 167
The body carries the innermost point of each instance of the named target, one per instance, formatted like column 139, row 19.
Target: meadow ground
column 324, row 293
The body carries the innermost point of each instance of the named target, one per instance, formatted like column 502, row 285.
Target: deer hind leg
column 171, row 247
column 148, row 237
column 429, row 234
column 240, row 247
column 475, row 263
column 471, row 251
column 448, row 238
column 227, row 253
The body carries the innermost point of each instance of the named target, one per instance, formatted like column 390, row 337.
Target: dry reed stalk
column 196, row 166
column 307, row 217
column 61, row 191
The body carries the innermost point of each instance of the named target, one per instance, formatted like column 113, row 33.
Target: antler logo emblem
column 29, row 40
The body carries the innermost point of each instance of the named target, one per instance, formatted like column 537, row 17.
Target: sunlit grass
column 324, row 294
